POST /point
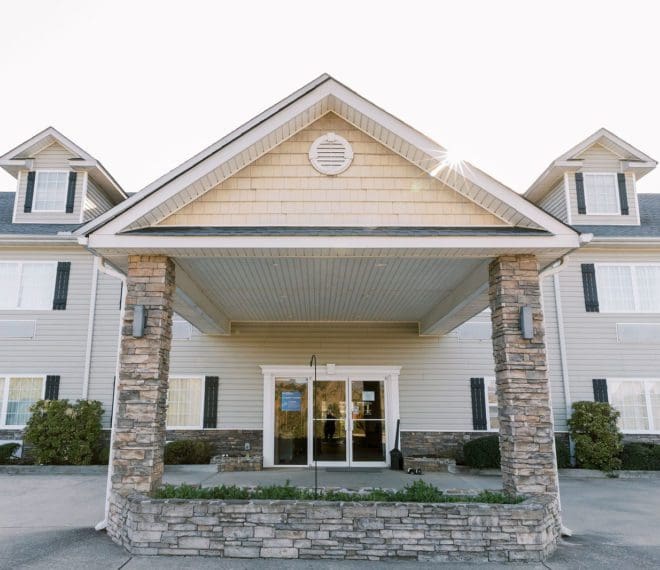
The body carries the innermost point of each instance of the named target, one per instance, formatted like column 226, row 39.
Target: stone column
column 144, row 363
column 529, row 466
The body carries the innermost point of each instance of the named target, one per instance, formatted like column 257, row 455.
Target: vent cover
column 331, row 154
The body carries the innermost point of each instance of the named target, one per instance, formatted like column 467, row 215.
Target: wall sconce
column 139, row 320
column 526, row 322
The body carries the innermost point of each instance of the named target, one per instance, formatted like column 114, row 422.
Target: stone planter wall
column 429, row 464
column 238, row 463
column 327, row 530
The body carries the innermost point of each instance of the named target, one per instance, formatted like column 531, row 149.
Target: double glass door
column 346, row 426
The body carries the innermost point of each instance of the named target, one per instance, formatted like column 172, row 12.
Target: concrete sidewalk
column 46, row 522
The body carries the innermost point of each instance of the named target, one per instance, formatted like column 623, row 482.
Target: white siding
column 554, row 202
column 53, row 157
column 96, row 202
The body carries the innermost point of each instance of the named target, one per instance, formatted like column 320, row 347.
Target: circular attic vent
column 331, row 154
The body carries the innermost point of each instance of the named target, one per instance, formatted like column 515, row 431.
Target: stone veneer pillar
column 144, row 362
column 529, row 465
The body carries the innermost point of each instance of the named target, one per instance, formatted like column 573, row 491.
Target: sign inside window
column 368, row 396
column 291, row 401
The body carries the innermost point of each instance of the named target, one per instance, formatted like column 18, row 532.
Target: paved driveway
column 46, row 522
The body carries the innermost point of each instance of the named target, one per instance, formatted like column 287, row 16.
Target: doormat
column 353, row 470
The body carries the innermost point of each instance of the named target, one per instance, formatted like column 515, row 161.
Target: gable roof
column 630, row 156
column 258, row 136
column 20, row 158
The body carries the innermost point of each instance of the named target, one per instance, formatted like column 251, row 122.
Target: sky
column 507, row 85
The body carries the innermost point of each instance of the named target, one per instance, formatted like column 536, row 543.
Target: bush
column 62, row 433
column 417, row 492
column 188, row 452
column 7, row 451
column 102, row 455
column 563, row 453
column 483, row 453
column 596, row 436
column 640, row 457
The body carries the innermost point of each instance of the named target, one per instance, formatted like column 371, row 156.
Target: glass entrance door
column 349, row 422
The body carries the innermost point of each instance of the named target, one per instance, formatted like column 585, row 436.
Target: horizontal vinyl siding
column 96, row 202
column 105, row 343
column 554, row 202
column 60, row 339
column 53, row 157
column 591, row 338
column 599, row 159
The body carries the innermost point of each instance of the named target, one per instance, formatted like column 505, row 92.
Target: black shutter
column 579, row 189
column 71, row 192
column 478, row 403
column 600, row 390
column 29, row 193
column 52, row 388
column 61, row 285
column 211, row 401
column 623, row 195
column 590, row 288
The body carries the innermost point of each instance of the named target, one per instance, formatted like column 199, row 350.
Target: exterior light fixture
column 139, row 320
column 526, row 322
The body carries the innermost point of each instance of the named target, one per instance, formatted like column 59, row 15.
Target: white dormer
column 57, row 182
column 594, row 183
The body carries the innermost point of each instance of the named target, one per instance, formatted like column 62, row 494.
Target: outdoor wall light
column 139, row 320
column 526, row 322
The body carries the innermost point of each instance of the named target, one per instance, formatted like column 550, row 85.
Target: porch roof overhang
column 436, row 277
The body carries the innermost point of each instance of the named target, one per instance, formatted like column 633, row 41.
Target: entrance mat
column 354, row 469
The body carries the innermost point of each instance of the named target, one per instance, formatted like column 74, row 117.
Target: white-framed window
column 185, row 402
column 601, row 193
column 638, row 401
column 50, row 190
column 17, row 394
column 492, row 416
column 628, row 288
column 27, row 284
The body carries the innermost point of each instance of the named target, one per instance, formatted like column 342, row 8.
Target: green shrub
column 640, row 457
column 563, row 453
column 7, row 451
column 102, row 455
column 596, row 436
column 63, row 433
column 188, row 452
column 483, row 453
column 417, row 492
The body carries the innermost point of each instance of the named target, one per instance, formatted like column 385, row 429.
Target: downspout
column 563, row 358
column 122, row 303
column 90, row 329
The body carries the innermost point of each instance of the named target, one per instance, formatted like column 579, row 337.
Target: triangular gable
column 209, row 168
column 621, row 152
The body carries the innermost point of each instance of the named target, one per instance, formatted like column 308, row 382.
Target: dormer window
column 601, row 194
column 50, row 191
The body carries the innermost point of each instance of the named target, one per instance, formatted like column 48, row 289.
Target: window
column 628, row 288
column 601, row 193
column 17, row 394
column 50, row 189
column 491, row 404
column 638, row 401
column 27, row 285
column 185, row 403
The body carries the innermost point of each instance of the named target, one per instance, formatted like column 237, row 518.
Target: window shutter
column 478, row 403
column 52, row 388
column 590, row 288
column 71, row 192
column 211, row 401
column 61, row 285
column 600, row 390
column 29, row 193
column 579, row 189
column 623, row 195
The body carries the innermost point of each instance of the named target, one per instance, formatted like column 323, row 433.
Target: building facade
column 327, row 227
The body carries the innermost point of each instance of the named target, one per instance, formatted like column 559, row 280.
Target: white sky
column 142, row 85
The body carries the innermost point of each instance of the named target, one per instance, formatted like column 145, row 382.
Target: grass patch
column 417, row 492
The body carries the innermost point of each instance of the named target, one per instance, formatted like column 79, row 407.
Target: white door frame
column 389, row 374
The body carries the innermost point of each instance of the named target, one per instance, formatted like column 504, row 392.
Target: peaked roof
column 20, row 157
column 258, row 136
column 570, row 160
